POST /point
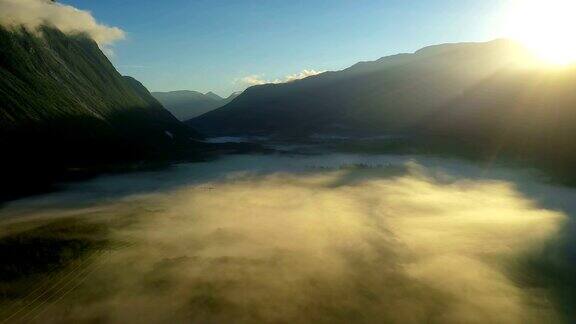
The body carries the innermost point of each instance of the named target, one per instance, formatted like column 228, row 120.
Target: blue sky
column 211, row 45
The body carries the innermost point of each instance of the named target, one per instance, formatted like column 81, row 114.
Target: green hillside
column 63, row 106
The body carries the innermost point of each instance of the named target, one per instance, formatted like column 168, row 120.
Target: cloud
column 33, row 14
column 328, row 247
column 255, row 79
column 303, row 74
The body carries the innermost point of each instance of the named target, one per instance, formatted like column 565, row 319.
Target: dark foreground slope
column 63, row 107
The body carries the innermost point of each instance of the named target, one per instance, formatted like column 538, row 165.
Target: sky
column 227, row 45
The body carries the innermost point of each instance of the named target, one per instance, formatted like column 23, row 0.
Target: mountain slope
column 482, row 100
column 391, row 94
column 521, row 114
column 186, row 104
column 212, row 95
column 232, row 96
column 63, row 105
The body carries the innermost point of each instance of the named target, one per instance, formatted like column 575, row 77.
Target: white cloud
column 252, row 80
column 303, row 74
column 256, row 79
column 33, row 14
column 108, row 51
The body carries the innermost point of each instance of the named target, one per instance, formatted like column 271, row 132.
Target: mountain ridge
column 490, row 99
column 334, row 96
column 63, row 103
column 187, row 104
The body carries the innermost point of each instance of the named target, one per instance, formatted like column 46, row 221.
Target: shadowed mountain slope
column 485, row 99
column 387, row 95
column 527, row 115
column 64, row 106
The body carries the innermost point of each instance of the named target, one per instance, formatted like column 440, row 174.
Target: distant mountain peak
column 186, row 104
column 212, row 95
column 233, row 95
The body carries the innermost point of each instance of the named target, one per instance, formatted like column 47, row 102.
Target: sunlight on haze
column 545, row 27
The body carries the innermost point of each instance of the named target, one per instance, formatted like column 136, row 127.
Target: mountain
column 186, row 104
column 233, row 96
column 212, row 95
column 488, row 99
column 63, row 106
column 524, row 114
column 389, row 94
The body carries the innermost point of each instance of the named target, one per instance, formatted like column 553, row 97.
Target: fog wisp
column 357, row 244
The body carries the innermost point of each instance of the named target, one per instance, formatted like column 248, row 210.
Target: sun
column 547, row 27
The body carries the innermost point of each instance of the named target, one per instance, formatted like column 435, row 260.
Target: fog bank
column 385, row 244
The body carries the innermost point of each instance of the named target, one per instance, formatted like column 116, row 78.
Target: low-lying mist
column 386, row 242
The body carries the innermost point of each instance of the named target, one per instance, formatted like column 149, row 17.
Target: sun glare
column 547, row 27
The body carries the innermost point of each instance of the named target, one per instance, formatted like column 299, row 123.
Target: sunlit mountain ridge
column 494, row 97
